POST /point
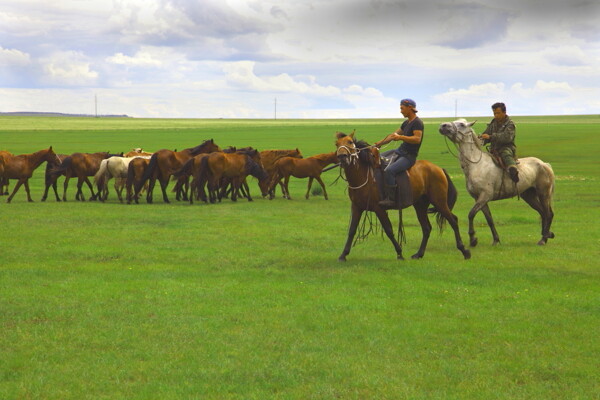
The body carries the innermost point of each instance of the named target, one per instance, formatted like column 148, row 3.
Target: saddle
column 403, row 187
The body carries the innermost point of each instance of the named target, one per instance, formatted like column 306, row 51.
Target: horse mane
column 364, row 156
column 198, row 149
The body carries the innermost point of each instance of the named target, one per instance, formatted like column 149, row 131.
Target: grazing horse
column 165, row 162
column 51, row 178
column 310, row 168
column 268, row 159
column 21, row 167
column 81, row 165
column 430, row 185
column 487, row 182
column 135, row 173
column 113, row 167
column 234, row 167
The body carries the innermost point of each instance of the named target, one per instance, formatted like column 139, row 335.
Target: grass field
column 247, row 300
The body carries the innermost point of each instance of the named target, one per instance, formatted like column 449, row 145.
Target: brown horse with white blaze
column 430, row 185
column 21, row 167
column 310, row 167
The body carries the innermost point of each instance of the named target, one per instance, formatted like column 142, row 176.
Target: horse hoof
column 542, row 242
column 399, row 257
column 416, row 256
column 342, row 258
column 467, row 254
column 551, row 235
column 474, row 242
column 495, row 242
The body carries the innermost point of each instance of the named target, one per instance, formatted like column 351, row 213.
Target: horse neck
column 325, row 159
column 357, row 174
column 470, row 152
column 38, row 157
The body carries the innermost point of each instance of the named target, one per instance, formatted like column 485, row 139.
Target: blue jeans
column 399, row 164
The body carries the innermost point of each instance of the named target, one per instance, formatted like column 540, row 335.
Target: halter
column 354, row 162
column 458, row 147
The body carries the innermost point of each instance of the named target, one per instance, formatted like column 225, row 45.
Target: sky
column 299, row 59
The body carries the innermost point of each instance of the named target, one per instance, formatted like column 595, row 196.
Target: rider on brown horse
column 404, row 157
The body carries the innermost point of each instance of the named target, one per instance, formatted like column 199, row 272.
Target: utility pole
column 96, row 104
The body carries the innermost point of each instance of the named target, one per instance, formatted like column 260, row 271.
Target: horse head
column 52, row 157
column 458, row 131
column 346, row 151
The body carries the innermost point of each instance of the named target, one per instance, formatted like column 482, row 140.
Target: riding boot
column 390, row 197
column 405, row 193
column 514, row 173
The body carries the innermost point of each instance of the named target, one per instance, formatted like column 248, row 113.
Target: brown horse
column 135, row 173
column 310, row 168
column 81, row 165
column 268, row 159
column 194, row 168
column 165, row 162
column 430, row 185
column 21, row 167
column 137, row 152
column 3, row 180
column 234, row 167
column 50, row 178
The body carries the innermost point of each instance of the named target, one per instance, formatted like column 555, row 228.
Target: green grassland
column 248, row 301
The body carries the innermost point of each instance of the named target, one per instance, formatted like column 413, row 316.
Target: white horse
column 113, row 167
column 488, row 182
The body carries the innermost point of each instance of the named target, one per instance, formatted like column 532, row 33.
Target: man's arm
column 389, row 138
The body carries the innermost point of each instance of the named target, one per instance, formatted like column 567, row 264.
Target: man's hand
column 485, row 136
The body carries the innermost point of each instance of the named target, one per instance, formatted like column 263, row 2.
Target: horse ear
column 340, row 135
column 352, row 134
column 471, row 123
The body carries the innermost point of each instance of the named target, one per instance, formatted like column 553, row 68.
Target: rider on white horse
column 500, row 133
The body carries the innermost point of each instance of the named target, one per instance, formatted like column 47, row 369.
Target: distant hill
column 54, row 114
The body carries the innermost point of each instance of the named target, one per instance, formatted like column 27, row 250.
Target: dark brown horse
column 50, row 178
column 21, row 167
column 430, row 185
column 268, row 159
column 194, row 168
column 165, row 163
column 220, row 168
column 82, row 166
column 310, row 168
column 135, row 173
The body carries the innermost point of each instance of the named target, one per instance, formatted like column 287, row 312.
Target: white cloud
column 13, row 57
column 68, row 69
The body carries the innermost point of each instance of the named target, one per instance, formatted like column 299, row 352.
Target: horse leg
column 150, row 190
column 318, row 178
column 310, row 181
column 119, row 189
column 534, row 200
column 354, row 220
column 421, row 210
column 453, row 221
column 94, row 196
column 17, row 186
column 26, row 184
column 478, row 205
column 65, row 186
column 490, row 221
column 163, row 187
column 389, row 230
column 286, row 182
column 246, row 189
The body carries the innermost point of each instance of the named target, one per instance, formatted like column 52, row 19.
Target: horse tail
column 147, row 173
column 451, row 201
column 100, row 176
column 62, row 167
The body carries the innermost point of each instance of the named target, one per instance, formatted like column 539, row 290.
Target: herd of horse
column 204, row 172
column 208, row 173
